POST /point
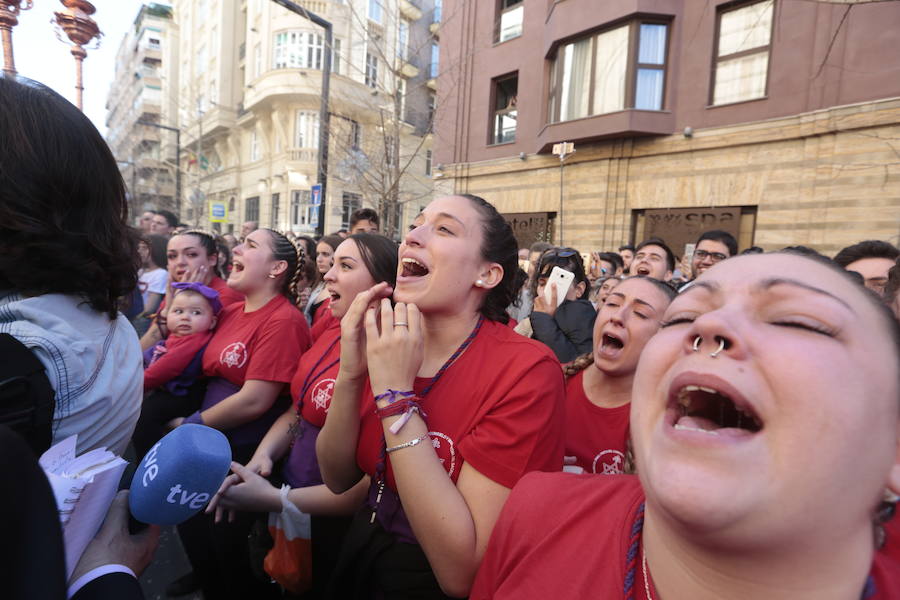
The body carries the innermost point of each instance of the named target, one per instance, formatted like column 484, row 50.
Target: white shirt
column 152, row 282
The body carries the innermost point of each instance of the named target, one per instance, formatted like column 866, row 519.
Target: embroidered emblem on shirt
column 322, row 393
column 234, row 355
column 445, row 449
column 610, row 462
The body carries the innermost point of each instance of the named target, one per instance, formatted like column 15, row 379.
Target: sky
column 39, row 55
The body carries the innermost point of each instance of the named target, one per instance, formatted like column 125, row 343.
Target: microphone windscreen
column 179, row 475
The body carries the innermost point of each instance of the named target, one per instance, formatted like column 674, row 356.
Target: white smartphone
column 563, row 280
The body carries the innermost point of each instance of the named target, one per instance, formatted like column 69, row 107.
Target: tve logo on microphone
column 179, row 475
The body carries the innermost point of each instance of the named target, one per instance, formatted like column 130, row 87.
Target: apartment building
column 250, row 90
column 778, row 120
column 142, row 101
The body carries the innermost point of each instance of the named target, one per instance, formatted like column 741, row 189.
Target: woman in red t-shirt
column 250, row 360
column 488, row 406
column 765, row 426
column 192, row 256
column 598, row 386
column 360, row 262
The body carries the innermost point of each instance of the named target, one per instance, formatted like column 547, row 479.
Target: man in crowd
column 653, row 258
column 712, row 247
column 364, row 220
column 247, row 228
column 163, row 223
column 627, row 253
column 145, row 222
column 872, row 259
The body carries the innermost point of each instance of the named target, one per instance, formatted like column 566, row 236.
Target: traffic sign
column 218, row 212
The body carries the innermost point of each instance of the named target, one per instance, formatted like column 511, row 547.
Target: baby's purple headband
column 205, row 291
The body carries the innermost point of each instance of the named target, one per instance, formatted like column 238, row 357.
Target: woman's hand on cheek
column 202, row 274
column 353, row 333
column 394, row 352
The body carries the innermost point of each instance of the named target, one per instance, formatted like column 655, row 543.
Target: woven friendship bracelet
column 405, row 408
column 394, row 395
column 408, row 444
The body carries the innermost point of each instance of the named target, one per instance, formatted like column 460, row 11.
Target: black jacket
column 569, row 332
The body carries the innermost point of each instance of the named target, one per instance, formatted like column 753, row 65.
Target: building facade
column 778, row 120
column 142, row 100
column 250, row 89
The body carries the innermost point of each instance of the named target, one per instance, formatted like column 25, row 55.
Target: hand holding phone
column 563, row 280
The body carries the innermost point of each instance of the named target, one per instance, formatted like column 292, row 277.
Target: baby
column 175, row 363
column 173, row 368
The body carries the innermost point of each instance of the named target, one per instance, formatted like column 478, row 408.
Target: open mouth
column 704, row 409
column 413, row 268
column 237, row 266
column 642, row 270
column 611, row 345
column 333, row 294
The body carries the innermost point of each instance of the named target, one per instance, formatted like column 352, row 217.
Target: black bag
column 26, row 396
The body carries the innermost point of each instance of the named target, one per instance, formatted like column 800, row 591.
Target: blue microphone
column 179, row 475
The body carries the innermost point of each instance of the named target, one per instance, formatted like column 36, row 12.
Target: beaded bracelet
column 408, row 444
column 405, row 408
column 394, row 395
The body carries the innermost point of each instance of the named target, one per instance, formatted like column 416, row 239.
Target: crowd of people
column 454, row 415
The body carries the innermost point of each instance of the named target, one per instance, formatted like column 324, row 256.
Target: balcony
column 410, row 11
column 303, row 154
column 409, row 66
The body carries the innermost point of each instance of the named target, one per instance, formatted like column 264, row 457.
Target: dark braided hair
column 578, row 365
column 499, row 246
column 284, row 249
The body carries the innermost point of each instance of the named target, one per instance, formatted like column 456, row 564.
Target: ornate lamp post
column 9, row 10
column 76, row 22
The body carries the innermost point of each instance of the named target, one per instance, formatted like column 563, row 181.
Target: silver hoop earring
column 697, row 341
column 719, row 349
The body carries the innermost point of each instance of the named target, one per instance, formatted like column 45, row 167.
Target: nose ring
column 698, row 340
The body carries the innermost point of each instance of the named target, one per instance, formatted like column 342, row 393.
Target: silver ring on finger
column 401, row 324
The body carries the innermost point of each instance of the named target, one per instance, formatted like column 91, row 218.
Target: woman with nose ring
column 765, row 419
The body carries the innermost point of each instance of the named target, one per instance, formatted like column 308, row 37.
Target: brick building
column 776, row 119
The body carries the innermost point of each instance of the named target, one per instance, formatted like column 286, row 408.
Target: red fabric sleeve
column 179, row 354
column 278, row 348
column 524, row 431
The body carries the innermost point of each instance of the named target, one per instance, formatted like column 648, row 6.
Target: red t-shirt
column 227, row 296
column 324, row 320
column 265, row 344
column 319, row 368
column 596, row 437
column 499, row 407
column 180, row 351
column 567, row 536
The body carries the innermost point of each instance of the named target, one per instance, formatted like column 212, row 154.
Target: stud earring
column 479, row 283
column 271, row 276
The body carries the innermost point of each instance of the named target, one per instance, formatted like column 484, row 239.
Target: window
column 254, row 148
column 213, row 93
column 231, row 205
column 430, row 108
column 153, row 44
column 306, row 130
column 336, row 56
column 257, row 60
column 302, row 211
column 200, row 65
column 276, row 199
column 371, row 70
column 349, row 203
column 401, row 96
column 435, row 56
column 403, row 39
column 436, row 15
column 375, row 11
column 428, row 162
column 613, row 70
column 354, row 137
column 505, row 112
column 298, row 50
column 251, row 209
column 742, row 53
column 510, row 22
column 390, row 149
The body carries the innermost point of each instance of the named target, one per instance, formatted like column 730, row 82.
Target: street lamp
column 563, row 151
column 177, row 159
column 80, row 28
column 9, row 10
column 323, row 103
